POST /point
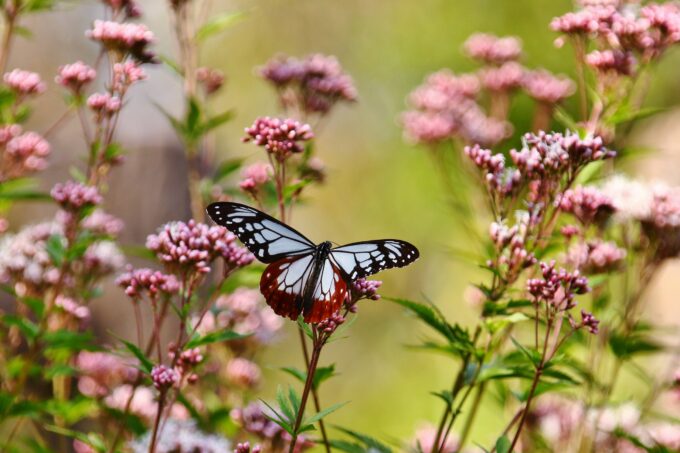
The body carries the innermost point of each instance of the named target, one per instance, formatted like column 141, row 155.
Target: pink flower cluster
column 164, row 377
column 124, row 37
column 646, row 31
column 244, row 447
column 507, row 77
column 612, row 61
column 557, row 287
column 211, row 79
column 104, row 104
column 74, row 196
column 243, row 373
column 596, row 256
column 280, row 137
column 253, row 419
column 194, row 246
column 330, row 324
column 546, row 87
column 244, row 312
column 363, row 288
column 72, row 308
column 589, row 322
column 126, row 74
column 102, row 223
column 493, row 50
column 24, row 83
column 255, row 176
column 501, row 180
column 510, row 243
column 138, row 282
column 22, row 154
column 101, row 372
column 312, row 85
column 75, row 76
column 588, row 204
column 444, row 107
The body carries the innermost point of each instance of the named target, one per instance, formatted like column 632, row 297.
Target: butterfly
column 303, row 277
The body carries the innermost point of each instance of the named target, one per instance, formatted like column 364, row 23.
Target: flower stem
column 311, row 370
column 315, row 393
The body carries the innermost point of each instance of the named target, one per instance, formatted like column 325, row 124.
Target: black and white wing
column 267, row 238
column 362, row 259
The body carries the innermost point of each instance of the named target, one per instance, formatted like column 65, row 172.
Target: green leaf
column 626, row 346
column 27, row 327
column 56, row 249
column 37, row 306
column 172, row 64
column 458, row 337
column 216, row 121
column 503, row 445
column 370, row 443
column 531, row 354
column 72, row 341
column 319, row 415
column 495, row 324
column 296, row 373
column 322, row 374
column 625, row 114
column 218, row 24
column 24, row 195
column 216, row 337
column 284, row 405
column 144, row 362
column 294, row 188
column 347, row 447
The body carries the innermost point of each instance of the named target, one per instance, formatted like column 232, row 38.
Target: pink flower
column 75, row 76
column 100, row 372
column 24, row 83
column 243, row 373
column 244, row 447
column 255, row 176
column 588, row 204
column 72, row 307
column 104, row 104
column 427, row 127
column 596, row 256
column 126, row 74
column 124, row 37
column 253, row 420
column 138, row 282
column 316, row 83
column 425, row 437
column 280, row 137
column 491, row 49
column 100, row 222
column 211, row 79
column 82, row 447
column 588, row 321
column 612, row 61
column 24, row 153
column 164, row 377
column 74, row 196
column 329, row 325
column 194, row 246
column 365, row 289
column 507, row 77
column 546, row 87
column 557, row 287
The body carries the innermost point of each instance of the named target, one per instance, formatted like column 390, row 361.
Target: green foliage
column 218, row 336
column 320, row 375
column 218, row 24
column 503, row 445
column 195, row 123
column 363, row 443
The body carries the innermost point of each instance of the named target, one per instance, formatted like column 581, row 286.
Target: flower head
column 194, row 246
column 74, row 196
column 104, row 104
column 138, row 282
column 24, row 83
column 491, row 49
column 101, row 372
column 588, row 204
column 588, row 321
column 280, row 137
column 164, row 377
column 75, row 76
column 124, row 37
column 596, row 256
column 255, row 176
column 24, row 154
column 210, row 79
column 507, row 77
column 243, row 373
column 546, row 87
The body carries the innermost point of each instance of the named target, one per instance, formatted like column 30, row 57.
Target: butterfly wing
column 361, row 259
column 284, row 283
column 267, row 238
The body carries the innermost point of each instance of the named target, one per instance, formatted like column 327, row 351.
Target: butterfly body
column 303, row 278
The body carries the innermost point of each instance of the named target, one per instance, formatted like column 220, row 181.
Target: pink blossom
column 244, row 447
column 138, row 282
column 72, row 307
column 546, row 87
column 194, row 246
column 280, row 137
column 596, row 256
column 100, row 222
column 125, row 37
column 100, row 372
column 82, row 447
column 23, row 82
column 588, row 204
column 164, row 377
column 612, row 61
column 425, row 437
column 507, row 77
column 557, row 287
column 243, row 373
column 143, row 402
column 253, row 420
column 75, row 76
column 329, row 325
column 74, row 196
column 255, row 175
column 211, row 79
column 589, row 322
column 126, row 74
column 103, row 258
column 427, row 127
column 492, row 49
column 104, row 103
column 363, row 288
column 24, row 153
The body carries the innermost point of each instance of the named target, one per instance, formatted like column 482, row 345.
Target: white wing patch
column 267, row 238
column 362, row 259
column 294, row 276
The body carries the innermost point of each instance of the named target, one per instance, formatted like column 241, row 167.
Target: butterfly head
column 325, row 247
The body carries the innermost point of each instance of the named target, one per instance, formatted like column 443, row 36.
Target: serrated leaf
column 218, row 24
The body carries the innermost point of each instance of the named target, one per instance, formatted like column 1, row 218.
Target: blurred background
column 377, row 185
